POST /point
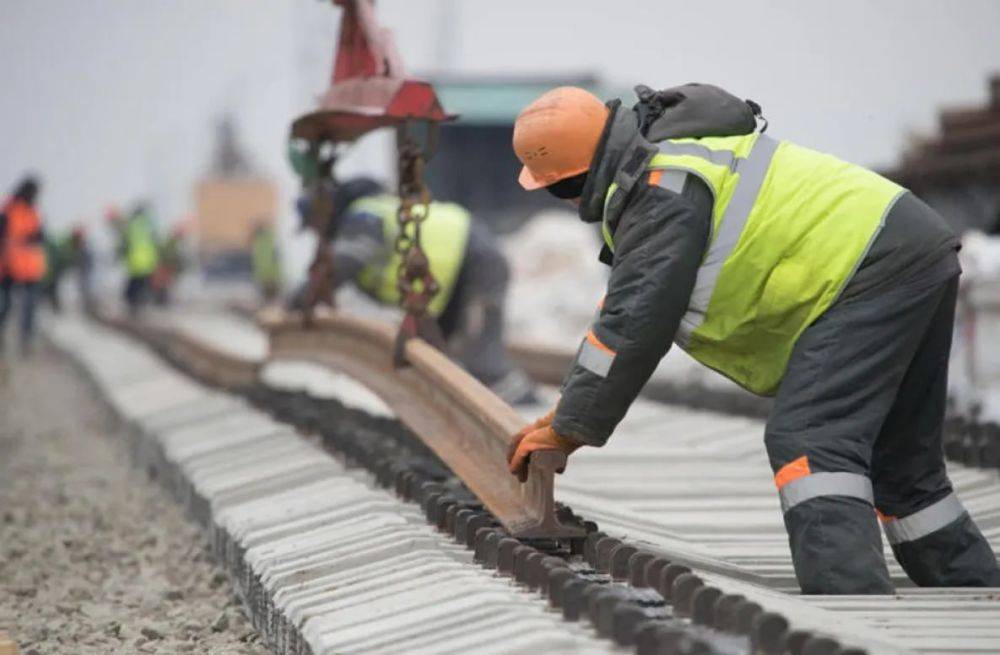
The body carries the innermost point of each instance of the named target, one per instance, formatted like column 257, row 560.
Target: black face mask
column 568, row 189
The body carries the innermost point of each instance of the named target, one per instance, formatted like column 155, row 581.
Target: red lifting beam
column 368, row 89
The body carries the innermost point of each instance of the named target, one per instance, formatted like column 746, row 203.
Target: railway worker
column 266, row 261
column 82, row 259
column 23, row 256
column 171, row 262
column 137, row 248
column 465, row 258
column 794, row 274
column 58, row 259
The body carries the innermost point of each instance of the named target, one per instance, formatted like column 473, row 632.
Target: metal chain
column 320, row 285
column 417, row 285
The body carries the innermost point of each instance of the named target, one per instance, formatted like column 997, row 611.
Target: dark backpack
column 694, row 110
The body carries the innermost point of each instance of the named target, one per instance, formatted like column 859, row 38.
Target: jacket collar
column 621, row 157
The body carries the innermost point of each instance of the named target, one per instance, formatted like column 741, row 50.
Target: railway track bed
column 325, row 561
column 690, row 555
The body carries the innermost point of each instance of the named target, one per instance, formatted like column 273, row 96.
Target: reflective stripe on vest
column 444, row 235
column 752, row 172
column 815, row 485
column 669, row 179
column 927, row 521
column 789, row 228
column 723, row 157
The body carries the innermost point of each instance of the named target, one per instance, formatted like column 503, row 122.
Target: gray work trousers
column 473, row 321
column 474, row 324
column 28, row 292
column 862, row 405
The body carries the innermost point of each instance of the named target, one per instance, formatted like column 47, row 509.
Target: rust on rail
column 464, row 423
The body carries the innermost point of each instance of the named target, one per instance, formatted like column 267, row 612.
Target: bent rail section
column 467, row 426
column 195, row 356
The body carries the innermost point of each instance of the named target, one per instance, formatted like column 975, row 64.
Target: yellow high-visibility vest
column 141, row 256
column 444, row 234
column 264, row 251
column 789, row 228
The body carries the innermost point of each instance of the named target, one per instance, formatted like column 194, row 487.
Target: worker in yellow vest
column 464, row 257
column 265, row 261
column 796, row 275
column 138, row 250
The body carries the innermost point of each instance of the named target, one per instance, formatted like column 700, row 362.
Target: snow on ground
column 319, row 381
column 980, row 257
column 557, row 282
column 975, row 367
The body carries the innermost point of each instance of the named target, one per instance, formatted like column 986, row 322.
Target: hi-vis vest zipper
column 789, row 228
column 443, row 235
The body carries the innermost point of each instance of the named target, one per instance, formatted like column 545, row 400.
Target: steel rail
column 548, row 365
column 220, row 368
column 467, row 426
column 197, row 357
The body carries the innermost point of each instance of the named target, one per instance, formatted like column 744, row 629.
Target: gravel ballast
column 95, row 557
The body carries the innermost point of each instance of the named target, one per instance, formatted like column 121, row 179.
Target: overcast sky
column 113, row 99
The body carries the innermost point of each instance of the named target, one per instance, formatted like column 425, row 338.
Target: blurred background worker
column 137, row 249
column 82, row 259
column 464, row 258
column 266, row 261
column 796, row 275
column 171, row 262
column 58, row 259
column 22, row 255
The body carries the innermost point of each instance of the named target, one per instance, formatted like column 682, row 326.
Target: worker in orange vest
column 23, row 255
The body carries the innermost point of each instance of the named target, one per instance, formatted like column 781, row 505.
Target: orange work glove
column 542, row 422
column 530, row 440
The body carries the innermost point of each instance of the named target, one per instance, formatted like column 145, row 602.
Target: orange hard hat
column 555, row 136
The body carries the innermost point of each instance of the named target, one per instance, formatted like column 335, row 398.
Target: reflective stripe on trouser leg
column 924, row 522
column 815, row 485
column 836, row 546
column 832, row 532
